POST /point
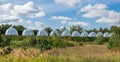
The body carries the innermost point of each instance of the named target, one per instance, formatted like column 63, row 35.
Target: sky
column 34, row 14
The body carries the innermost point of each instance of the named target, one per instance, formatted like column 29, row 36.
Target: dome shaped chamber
column 27, row 32
column 75, row 34
column 11, row 31
column 54, row 33
column 99, row 34
column 65, row 33
column 42, row 32
column 84, row 34
column 92, row 34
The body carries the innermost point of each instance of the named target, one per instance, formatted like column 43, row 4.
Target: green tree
column 114, row 42
column 19, row 28
column 76, row 28
column 35, row 32
column 106, row 30
column 100, row 30
column 48, row 29
column 3, row 28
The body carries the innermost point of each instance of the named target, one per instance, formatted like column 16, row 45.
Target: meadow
column 86, row 53
column 56, row 49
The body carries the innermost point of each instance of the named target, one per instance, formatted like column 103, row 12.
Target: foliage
column 3, row 28
column 48, row 30
column 35, row 32
column 4, row 41
column 76, row 28
column 114, row 42
column 100, row 40
column 19, row 29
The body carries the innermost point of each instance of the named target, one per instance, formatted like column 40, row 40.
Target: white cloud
column 6, row 7
column 100, row 12
column 7, row 18
column 70, row 3
column 28, row 9
column 62, row 18
column 78, row 23
column 12, row 14
column 108, row 20
column 63, row 22
column 95, row 7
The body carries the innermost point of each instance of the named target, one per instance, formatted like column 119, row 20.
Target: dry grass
column 87, row 53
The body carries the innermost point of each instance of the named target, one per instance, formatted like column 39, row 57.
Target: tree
column 114, row 42
column 48, row 29
column 35, row 32
column 3, row 28
column 101, row 30
column 76, row 28
column 19, row 28
column 106, row 30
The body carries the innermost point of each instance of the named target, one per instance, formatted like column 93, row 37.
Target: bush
column 100, row 40
column 77, row 39
column 44, row 44
column 114, row 42
column 58, row 42
column 4, row 41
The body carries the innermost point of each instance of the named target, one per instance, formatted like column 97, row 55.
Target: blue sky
column 57, row 13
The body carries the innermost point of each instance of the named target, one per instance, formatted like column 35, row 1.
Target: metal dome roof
column 92, row 34
column 75, row 34
column 27, row 32
column 106, row 34
column 11, row 31
column 111, row 34
column 42, row 32
column 65, row 33
column 99, row 34
column 84, row 34
column 54, row 32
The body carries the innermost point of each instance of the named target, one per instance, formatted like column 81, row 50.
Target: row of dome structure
column 42, row 32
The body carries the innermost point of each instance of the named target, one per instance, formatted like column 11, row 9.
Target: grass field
column 85, row 53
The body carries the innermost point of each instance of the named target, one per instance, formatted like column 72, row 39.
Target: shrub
column 44, row 44
column 100, row 40
column 77, row 39
column 58, row 42
column 114, row 42
column 4, row 41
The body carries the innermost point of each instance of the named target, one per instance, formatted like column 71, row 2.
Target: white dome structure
column 92, row 34
column 54, row 33
column 11, row 31
column 42, row 32
column 75, row 34
column 106, row 34
column 65, row 33
column 99, row 34
column 111, row 34
column 27, row 32
column 84, row 34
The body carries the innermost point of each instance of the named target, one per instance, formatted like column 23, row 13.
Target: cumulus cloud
column 70, row 3
column 12, row 14
column 78, row 23
column 63, row 22
column 6, row 7
column 7, row 18
column 100, row 12
column 26, row 23
column 62, row 18
column 28, row 9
